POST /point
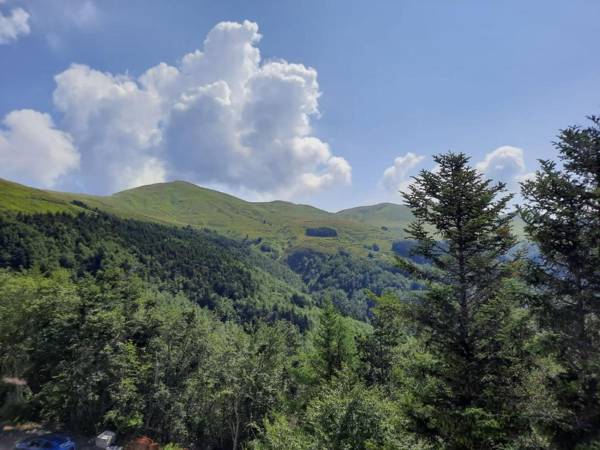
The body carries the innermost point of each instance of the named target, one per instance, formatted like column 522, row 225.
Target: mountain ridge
column 277, row 225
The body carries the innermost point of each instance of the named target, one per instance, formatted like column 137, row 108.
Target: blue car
column 47, row 442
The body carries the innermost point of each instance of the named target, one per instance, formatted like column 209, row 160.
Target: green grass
column 19, row 198
column 280, row 224
column 389, row 215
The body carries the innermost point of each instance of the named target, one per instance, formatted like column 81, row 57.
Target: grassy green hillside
column 16, row 197
column 278, row 226
column 388, row 215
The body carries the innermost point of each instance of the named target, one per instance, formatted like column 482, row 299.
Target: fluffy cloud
column 396, row 178
column 220, row 116
column 14, row 25
column 33, row 151
column 115, row 123
column 505, row 164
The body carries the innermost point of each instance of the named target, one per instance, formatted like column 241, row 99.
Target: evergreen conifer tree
column 469, row 316
column 562, row 216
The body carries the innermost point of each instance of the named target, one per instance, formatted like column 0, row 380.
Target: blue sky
column 398, row 82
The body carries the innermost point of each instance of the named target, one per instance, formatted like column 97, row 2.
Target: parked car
column 47, row 442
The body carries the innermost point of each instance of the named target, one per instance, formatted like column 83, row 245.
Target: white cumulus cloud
column 114, row 122
column 396, row 178
column 33, row 151
column 220, row 116
column 14, row 25
column 505, row 164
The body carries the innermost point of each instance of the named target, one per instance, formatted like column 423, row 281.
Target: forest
column 468, row 339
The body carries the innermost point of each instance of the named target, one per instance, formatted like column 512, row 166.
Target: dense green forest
column 223, row 275
column 468, row 340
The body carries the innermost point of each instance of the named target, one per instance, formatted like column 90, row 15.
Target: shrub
column 321, row 232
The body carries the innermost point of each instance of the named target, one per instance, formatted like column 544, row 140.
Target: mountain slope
column 19, row 198
column 212, row 271
column 277, row 226
column 281, row 225
column 389, row 215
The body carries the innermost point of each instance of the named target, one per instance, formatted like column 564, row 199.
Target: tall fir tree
column 468, row 317
column 562, row 216
column 378, row 349
column 334, row 344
